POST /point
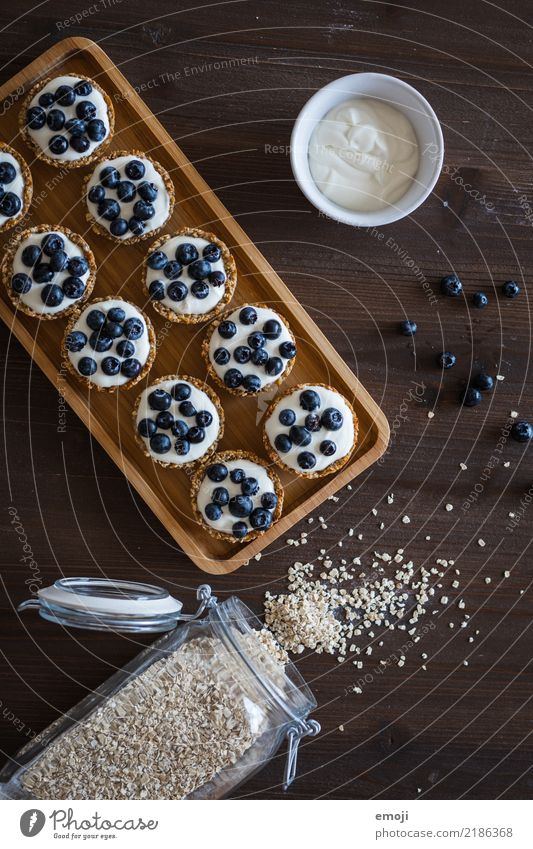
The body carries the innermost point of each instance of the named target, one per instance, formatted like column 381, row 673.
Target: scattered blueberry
column 446, row 359
column 110, row 366
column 157, row 260
column 272, row 329
column 217, row 278
column 248, row 315
column 112, row 328
column 87, row 366
column 30, row 255
column 118, row 227
column 312, row 422
column 126, row 191
column 408, row 328
column 42, row 273
column 242, row 354
column 99, row 342
column 221, row 356
column 51, row 243
column 328, row 447
column 85, row 110
column 164, row 420
column 136, row 226
column 146, row 427
column 251, row 383
column 471, row 397
column 250, row 486
column 83, row 88
column 480, row 300
column 300, row 435
column 204, row 418
column 200, row 289
column 269, row 500
column 133, row 328
column 160, row 443
column 256, row 340
column 96, row 194
column 451, row 286
column 55, row 120
column 46, row 99
column 108, row 209
column 260, row 357
column 220, row 496
column 96, row 130
column 75, row 127
column 187, row 409
column 199, row 269
column 80, row 144
column 75, row 341
column 182, row 446
column 309, row 400
column 522, row 431
column 7, row 172
column 58, row 145
column 233, row 378
column 287, row 417
column 143, row 211
column 78, row 266
column 180, row 391
column 10, row 204
column 58, row 261
column 73, row 287
column 237, row 475
column 95, row 319
column 240, row 506
column 211, row 252
column 239, row 530
column 260, row 519
column 35, row 118
column 332, row 419
column 21, row 283
column 288, row 350
column 179, row 428
column 65, row 95
column 130, row 368
column 227, row 329
column 283, row 443
column 177, row 291
column 186, row 253
column 510, row 289
column 147, row 191
column 172, row 270
column 158, row 399
column 483, row 382
column 213, row 512
column 196, row 435
column 135, row 169
column 306, row 460
column 125, row 349
column 109, row 177
column 274, row 366
column 217, row 472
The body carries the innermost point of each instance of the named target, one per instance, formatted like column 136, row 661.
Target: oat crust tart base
column 227, row 456
column 7, row 263
column 275, row 457
column 169, row 188
column 211, row 370
column 230, row 283
column 66, row 163
column 205, row 458
column 65, row 359
column 28, row 188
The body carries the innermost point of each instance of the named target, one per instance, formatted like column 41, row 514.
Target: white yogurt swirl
column 363, row 155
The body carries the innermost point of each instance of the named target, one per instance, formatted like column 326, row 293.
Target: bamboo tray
column 108, row 416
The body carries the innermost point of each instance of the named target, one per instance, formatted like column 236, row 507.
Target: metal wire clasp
column 207, row 601
column 296, row 732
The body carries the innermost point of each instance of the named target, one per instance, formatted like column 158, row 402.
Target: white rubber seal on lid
column 123, row 598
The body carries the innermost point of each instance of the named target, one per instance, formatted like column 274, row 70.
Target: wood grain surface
column 227, row 82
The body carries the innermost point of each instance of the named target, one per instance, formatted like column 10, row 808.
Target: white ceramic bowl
column 396, row 93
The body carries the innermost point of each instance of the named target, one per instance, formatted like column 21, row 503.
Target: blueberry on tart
column 110, row 344
column 67, row 121
column 178, row 420
column 235, row 496
column 190, row 276
column 129, row 197
column 310, row 430
column 16, row 187
column 249, row 349
column 48, row 271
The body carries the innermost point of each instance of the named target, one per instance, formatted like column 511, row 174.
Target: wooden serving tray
column 109, row 416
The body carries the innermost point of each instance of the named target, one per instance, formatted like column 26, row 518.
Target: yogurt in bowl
column 367, row 149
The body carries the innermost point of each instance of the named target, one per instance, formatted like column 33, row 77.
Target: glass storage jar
column 192, row 716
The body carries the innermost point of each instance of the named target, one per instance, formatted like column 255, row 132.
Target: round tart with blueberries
column 249, row 350
column 16, row 187
column 189, row 277
column 48, row 271
column 236, row 496
column 310, row 430
column 178, row 420
column 129, row 197
column 67, row 121
column 110, row 344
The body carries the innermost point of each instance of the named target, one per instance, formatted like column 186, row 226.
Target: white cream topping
column 33, row 298
column 243, row 331
column 161, row 204
column 205, row 492
column 363, row 155
column 201, row 402
column 43, row 136
column 16, row 186
column 190, row 305
column 343, row 438
column 142, row 345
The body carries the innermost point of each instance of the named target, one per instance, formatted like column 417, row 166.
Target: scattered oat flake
column 406, row 520
column 513, row 414
column 431, row 414
column 481, row 542
column 500, row 377
column 488, row 580
column 463, row 467
column 449, row 507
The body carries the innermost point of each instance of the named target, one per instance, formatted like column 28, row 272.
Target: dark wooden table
column 228, row 82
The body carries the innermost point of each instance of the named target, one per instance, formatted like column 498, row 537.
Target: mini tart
column 16, row 187
column 66, row 289
column 203, row 490
column 134, row 352
column 249, row 349
column 311, row 433
column 167, row 276
column 51, row 111
column 164, row 403
column 132, row 178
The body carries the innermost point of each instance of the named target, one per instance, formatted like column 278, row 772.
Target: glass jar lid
column 101, row 604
